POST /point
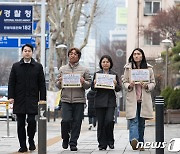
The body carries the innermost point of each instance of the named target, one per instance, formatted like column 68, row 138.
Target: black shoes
column 32, row 147
column 73, row 148
column 102, row 147
column 65, row 144
column 23, row 150
column 111, row 146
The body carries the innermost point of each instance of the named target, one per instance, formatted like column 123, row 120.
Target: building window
column 152, row 7
column 152, row 38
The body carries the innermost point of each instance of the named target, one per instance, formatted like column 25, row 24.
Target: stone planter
column 172, row 116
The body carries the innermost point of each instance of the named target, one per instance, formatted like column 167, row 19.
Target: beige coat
column 74, row 95
column 131, row 102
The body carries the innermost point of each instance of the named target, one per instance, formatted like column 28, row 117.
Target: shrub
column 166, row 94
column 174, row 100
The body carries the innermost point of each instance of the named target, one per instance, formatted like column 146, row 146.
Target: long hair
column 143, row 62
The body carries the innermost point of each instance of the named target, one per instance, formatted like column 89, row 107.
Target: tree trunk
column 62, row 56
column 51, row 66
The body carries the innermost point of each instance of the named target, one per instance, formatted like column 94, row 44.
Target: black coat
column 91, row 108
column 106, row 97
column 26, row 86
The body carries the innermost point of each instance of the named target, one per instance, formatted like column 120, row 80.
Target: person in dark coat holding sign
column 26, row 88
column 105, row 103
column 91, row 109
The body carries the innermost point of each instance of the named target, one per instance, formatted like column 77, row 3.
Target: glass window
column 148, row 7
column 151, row 7
column 156, row 38
column 156, row 7
column 147, row 39
column 152, row 38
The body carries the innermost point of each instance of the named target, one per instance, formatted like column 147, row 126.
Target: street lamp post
column 61, row 46
column 65, row 47
column 167, row 44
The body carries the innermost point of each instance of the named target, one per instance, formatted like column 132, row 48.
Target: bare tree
column 5, row 66
column 166, row 22
column 118, row 61
column 64, row 17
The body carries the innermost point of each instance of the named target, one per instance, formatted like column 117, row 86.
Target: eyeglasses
column 71, row 54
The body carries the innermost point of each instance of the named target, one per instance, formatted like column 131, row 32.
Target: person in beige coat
column 72, row 99
column 138, row 97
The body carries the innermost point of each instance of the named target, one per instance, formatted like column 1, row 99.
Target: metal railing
column 7, row 115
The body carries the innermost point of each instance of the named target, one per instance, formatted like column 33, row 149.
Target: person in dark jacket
column 26, row 88
column 105, row 103
column 91, row 109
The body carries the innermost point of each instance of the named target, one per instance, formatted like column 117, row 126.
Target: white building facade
column 140, row 13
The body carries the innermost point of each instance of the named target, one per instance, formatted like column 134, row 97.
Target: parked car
column 3, row 99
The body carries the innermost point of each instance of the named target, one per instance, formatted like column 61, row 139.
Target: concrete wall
column 151, row 51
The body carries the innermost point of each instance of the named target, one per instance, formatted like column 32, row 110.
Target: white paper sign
column 105, row 81
column 140, row 75
column 71, row 81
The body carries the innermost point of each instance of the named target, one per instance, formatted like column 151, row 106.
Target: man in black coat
column 26, row 88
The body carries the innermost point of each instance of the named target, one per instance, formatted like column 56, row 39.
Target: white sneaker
column 94, row 128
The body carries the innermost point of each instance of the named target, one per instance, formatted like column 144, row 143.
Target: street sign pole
column 19, row 49
column 43, row 24
column 14, row 30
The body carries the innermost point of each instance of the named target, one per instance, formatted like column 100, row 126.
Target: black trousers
column 105, row 129
column 92, row 120
column 21, row 130
column 72, row 115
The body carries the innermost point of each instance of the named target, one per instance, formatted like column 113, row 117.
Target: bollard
column 159, row 106
column 48, row 114
column 115, row 115
column 42, row 127
column 7, row 115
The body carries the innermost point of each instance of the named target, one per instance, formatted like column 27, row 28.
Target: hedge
column 171, row 98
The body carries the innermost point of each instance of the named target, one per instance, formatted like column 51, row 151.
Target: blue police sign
column 9, row 42
column 29, row 40
column 16, row 19
column 32, row 41
column 12, row 42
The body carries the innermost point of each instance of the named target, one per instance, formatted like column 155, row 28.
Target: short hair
column 109, row 59
column 77, row 51
column 27, row 45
